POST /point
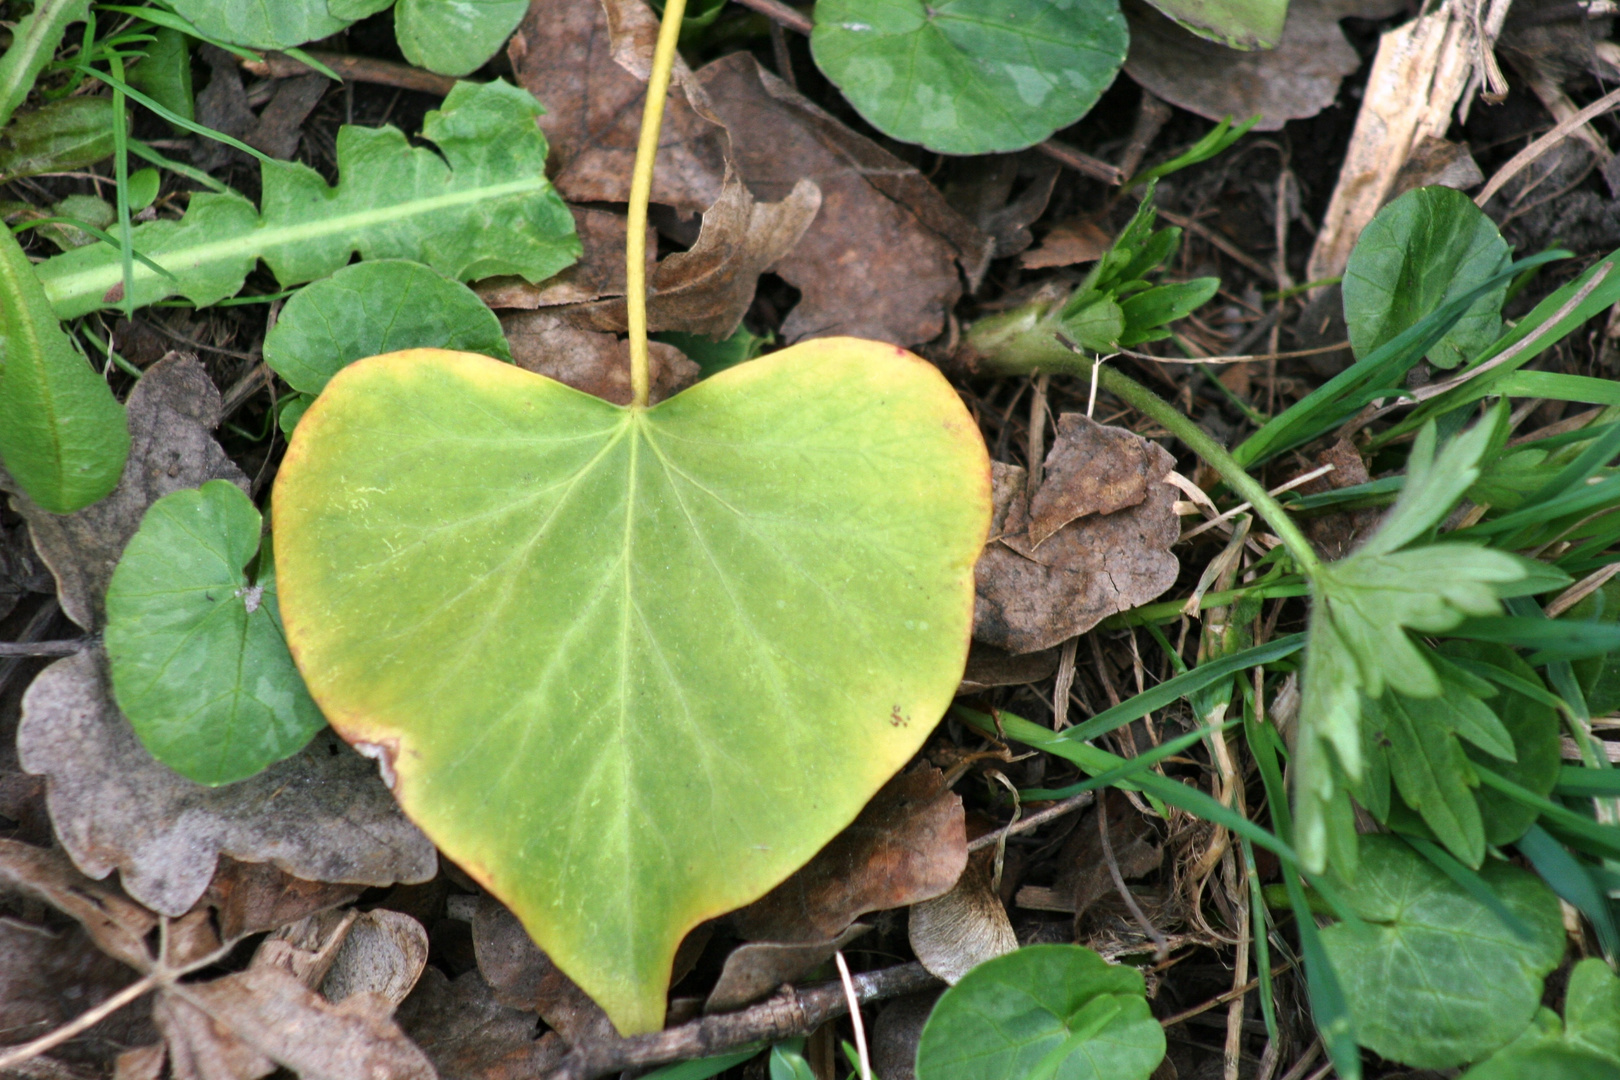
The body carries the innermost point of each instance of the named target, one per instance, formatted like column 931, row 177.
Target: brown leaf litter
column 756, row 969
column 909, row 844
column 956, row 932
column 546, row 343
column 1095, row 539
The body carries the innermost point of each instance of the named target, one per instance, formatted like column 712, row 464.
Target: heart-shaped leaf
column 970, row 76
column 1043, row 1012
column 199, row 664
column 455, row 37
column 631, row 667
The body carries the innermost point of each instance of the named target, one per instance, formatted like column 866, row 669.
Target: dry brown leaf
column 383, row 954
column 250, row 898
column 596, row 274
column 280, row 124
column 757, row 968
column 307, row 948
column 598, row 363
column 118, row 926
column 1032, row 597
column 1085, row 878
column 1093, row 468
column 469, row 1035
column 1299, row 78
column 1338, row 533
column 199, row 1049
column 989, row 666
column 708, row 289
column 908, row 845
column 48, row 977
column 982, row 189
column 591, row 77
column 955, row 933
column 321, row 815
column 266, row 1011
column 171, row 412
column 141, row 1063
column 1068, row 243
column 880, row 260
column 523, row 977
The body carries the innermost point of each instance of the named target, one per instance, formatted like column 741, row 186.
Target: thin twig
column 1524, row 158
column 1222, row 999
column 1320, row 349
column 1161, row 947
column 1216, row 240
column 44, row 648
column 83, row 1022
column 1033, row 821
column 1082, row 162
column 1243, row 508
column 1583, row 588
column 792, row 18
column 790, row 1014
column 364, row 69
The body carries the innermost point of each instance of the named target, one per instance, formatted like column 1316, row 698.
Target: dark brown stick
column 364, row 69
column 789, row 1014
column 792, row 18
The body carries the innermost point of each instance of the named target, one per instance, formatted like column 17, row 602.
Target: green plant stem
column 635, row 253
column 1170, row 418
column 36, row 39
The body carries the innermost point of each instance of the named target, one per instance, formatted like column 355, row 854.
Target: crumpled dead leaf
column 597, row 273
column 1032, row 595
column 880, row 260
column 469, row 1035
column 1299, row 78
column 250, row 898
column 48, row 977
column 384, row 954
column 908, row 845
column 591, row 75
column 982, row 190
column 955, row 933
column 989, row 666
column 756, row 969
column 171, row 412
column 321, row 815
column 1078, row 240
column 1337, row 533
column 598, row 363
column 523, row 977
column 708, row 289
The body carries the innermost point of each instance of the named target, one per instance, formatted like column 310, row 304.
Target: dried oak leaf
column 1068, row 243
column 587, row 61
column 955, row 933
column 598, row 363
column 880, row 260
column 523, row 977
column 321, row 815
column 1297, row 79
column 908, row 845
column 757, row 968
column 708, row 289
column 469, row 1035
column 118, row 926
column 1032, row 596
column 596, row 274
column 171, row 413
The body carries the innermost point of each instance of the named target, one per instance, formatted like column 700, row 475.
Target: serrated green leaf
column 1438, row 980
column 1432, row 486
column 1430, row 771
column 199, row 663
column 57, row 137
column 1043, row 1012
column 371, row 308
column 62, row 433
column 631, row 667
column 479, row 206
column 277, row 24
column 1427, row 247
column 455, row 37
column 970, row 76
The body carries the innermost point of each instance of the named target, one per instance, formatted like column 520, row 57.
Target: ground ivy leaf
column 63, row 435
column 455, row 37
column 1042, row 1011
column 479, row 206
column 371, row 308
column 970, row 76
column 1438, row 980
column 1426, row 248
column 199, row 663
column 631, row 667
column 280, row 24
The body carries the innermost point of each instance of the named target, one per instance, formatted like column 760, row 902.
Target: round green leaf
column 632, row 667
column 264, row 24
column 1437, row 979
column 1425, row 249
column 375, row 307
column 1238, row 24
column 1054, row 1012
column 199, row 663
column 455, row 37
column 970, row 76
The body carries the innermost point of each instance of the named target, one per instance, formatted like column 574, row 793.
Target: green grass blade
column 1567, row 877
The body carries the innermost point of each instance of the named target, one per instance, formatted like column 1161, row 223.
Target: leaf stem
column 635, row 247
column 1167, row 416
